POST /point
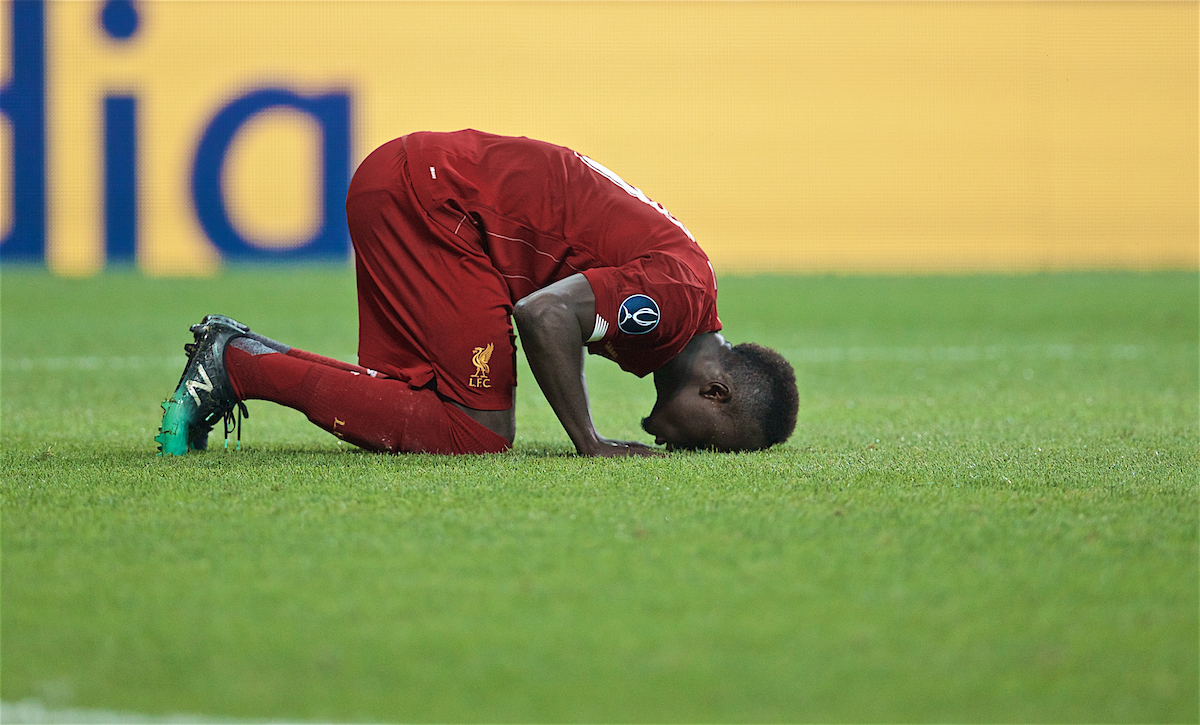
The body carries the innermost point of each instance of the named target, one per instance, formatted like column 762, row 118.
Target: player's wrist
column 590, row 445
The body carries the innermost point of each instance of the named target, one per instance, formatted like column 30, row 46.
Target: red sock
column 379, row 414
column 329, row 362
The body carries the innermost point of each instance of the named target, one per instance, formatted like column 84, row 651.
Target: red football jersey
column 545, row 212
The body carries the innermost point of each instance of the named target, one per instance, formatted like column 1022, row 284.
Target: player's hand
column 605, row 448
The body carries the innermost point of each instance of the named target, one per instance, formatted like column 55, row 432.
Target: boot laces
column 232, row 425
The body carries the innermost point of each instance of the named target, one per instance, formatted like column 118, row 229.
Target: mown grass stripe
column 799, row 356
column 30, row 711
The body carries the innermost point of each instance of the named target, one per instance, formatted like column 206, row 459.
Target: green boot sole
column 173, row 434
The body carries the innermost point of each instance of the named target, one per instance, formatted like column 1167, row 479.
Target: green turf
column 988, row 513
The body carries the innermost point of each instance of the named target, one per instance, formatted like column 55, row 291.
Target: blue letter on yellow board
column 332, row 113
column 23, row 100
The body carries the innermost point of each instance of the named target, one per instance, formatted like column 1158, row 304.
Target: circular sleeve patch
column 637, row 315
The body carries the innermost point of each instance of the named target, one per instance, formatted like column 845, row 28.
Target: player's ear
column 715, row 390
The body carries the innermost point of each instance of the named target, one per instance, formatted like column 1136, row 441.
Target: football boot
column 198, row 439
column 204, row 394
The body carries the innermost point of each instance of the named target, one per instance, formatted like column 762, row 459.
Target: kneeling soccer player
column 457, row 235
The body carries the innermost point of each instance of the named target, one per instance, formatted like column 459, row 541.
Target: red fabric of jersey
column 432, row 310
column 452, row 229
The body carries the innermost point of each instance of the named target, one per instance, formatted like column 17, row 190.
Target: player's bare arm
column 553, row 323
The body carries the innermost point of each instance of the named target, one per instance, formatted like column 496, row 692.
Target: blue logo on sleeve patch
column 637, row 315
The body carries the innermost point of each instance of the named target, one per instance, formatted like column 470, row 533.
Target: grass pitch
column 988, row 513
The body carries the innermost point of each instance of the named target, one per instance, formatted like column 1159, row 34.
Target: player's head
column 739, row 398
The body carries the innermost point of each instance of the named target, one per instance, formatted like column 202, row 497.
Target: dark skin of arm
column 553, row 323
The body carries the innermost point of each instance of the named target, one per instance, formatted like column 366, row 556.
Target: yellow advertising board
column 788, row 136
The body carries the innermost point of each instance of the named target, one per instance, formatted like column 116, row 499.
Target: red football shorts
column 432, row 310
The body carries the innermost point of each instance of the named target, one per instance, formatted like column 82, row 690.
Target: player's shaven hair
column 765, row 386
